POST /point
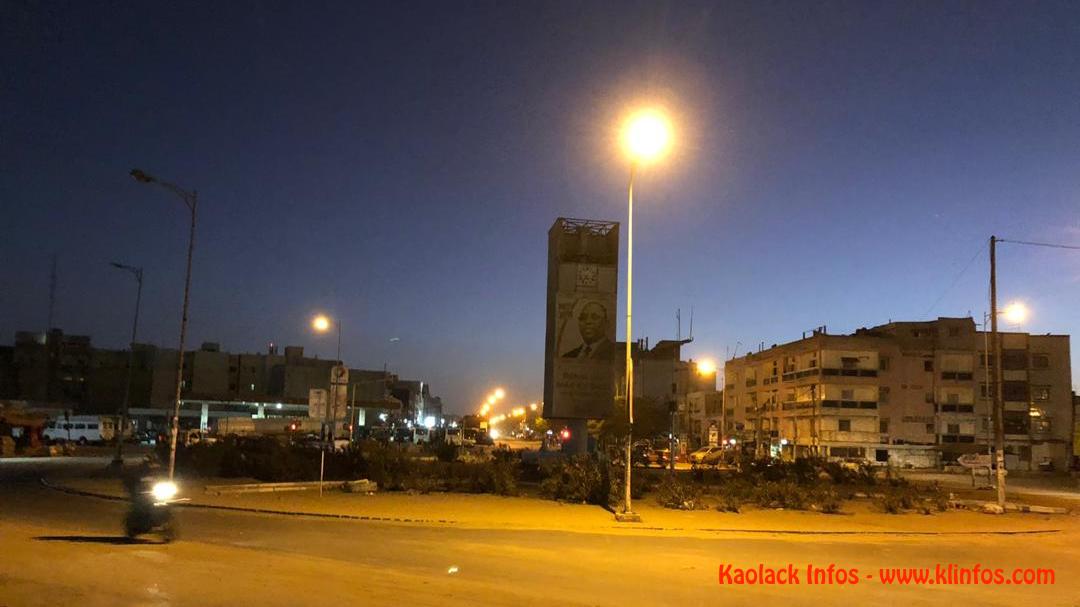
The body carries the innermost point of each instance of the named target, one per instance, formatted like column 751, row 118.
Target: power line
column 978, row 252
column 1041, row 244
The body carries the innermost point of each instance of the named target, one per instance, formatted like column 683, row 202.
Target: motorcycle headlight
column 165, row 490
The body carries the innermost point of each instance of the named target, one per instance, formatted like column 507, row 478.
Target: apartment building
column 906, row 393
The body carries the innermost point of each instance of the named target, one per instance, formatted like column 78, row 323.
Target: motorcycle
column 151, row 510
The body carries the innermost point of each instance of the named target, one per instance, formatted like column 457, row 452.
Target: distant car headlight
column 165, row 490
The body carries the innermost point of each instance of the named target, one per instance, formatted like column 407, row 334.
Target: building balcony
column 837, row 436
column 849, row 404
column 850, row 372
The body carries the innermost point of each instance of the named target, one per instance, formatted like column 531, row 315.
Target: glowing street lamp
column 322, row 324
column 1015, row 313
column 706, row 367
column 499, row 393
column 646, row 138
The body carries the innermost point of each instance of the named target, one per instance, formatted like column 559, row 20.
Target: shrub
column 828, row 501
column 783, row 494
column 578, row 479
column 445, row 452
column 728, row 502
column 677, row 493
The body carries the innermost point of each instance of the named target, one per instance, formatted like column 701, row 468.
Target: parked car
column 195, row 437
column 706, row 456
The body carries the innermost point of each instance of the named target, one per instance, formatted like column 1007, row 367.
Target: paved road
column 58, row 549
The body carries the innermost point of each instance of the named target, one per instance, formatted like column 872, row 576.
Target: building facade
column 905, row 393
column 65, row 372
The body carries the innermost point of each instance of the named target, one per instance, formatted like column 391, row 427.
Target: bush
column 828, row 501
column 679, row 494
column 782, row 494
column 577, row 479
column 445, row 452
column 387, row 465
column 728, row 502
column 900, row 497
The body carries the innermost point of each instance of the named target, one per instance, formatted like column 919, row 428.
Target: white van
column 81, row 429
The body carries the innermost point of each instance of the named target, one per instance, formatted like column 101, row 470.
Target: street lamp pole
column 191, row 201
column 628, row 510
column 118, row 460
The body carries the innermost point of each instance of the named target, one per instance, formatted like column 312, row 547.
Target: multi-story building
column 664, row 384
column 905, row 393
column 57, row 371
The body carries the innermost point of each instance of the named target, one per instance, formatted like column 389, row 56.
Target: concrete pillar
column 204, row 418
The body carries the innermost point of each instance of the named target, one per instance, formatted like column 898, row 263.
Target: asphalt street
column 57, row 546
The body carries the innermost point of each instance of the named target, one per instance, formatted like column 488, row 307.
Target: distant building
column 58, row 371
column 905, row 392
column 664, row 383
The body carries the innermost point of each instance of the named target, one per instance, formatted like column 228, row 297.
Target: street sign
column 714, row 436
column 317, row 398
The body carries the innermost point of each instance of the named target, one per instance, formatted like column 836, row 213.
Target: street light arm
column 188, row 197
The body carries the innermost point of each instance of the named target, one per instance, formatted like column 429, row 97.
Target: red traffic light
column 565, row 434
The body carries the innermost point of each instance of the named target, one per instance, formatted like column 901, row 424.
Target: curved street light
column 191, row 201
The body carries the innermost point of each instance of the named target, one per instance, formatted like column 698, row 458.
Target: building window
column 1016, row 391
column 928, row 366
column 954, row 428
column 883, row 363
column 929, row 428
column 1040, row 361
column 1014, row 360
column 928, row 397
column 986, row 390
column 1016, row 422
column 1040, row 393
column 984, row 359
column 883, row 426
column 849, row 362
column 883, row 394
column 845, row 425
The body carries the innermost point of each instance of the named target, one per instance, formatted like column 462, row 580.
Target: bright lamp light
column 1016, row 313
column 321, row 323
column 647, row 135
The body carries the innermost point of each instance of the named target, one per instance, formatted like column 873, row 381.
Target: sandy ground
column 89, row 570
column 58, row 548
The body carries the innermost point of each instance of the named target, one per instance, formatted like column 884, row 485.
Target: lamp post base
column 627, row 517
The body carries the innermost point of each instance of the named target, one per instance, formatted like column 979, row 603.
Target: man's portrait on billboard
column 591, row 340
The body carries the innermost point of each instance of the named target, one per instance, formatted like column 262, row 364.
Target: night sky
column 398, row 166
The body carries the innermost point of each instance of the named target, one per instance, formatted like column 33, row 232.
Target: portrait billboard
column 581, row 351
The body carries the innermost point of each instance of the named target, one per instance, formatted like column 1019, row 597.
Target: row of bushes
column 268, row 460
column 800, row 485
column 804, row 484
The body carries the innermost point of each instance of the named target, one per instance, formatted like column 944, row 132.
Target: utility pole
column 999, row 405
column 52, row 295
column 118, row 460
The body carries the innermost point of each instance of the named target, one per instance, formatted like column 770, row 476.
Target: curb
column 328, row 515
column 390, row 519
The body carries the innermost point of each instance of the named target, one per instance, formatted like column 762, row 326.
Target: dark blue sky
column 398, row 165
